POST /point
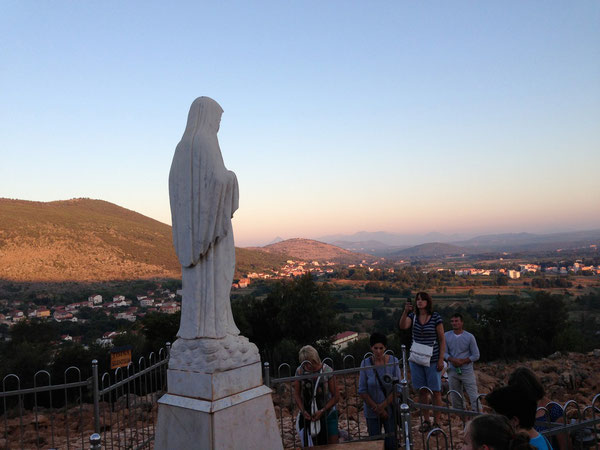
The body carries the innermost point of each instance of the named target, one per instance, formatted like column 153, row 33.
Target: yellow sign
column 120, row 358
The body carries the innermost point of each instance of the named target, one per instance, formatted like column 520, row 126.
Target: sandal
column 425, row 427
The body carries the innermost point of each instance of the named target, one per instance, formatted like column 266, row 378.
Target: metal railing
column 118, row 408
column 580, row 424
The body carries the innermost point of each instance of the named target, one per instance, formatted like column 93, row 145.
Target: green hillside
column 254, row 260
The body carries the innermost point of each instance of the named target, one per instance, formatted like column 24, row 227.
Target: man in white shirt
column 461, row 352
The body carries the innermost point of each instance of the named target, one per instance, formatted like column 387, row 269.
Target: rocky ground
column 571, row 376
column 130, row 424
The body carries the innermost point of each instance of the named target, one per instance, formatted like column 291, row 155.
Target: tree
column 502, row 280
column 158, row 329
column 294, row 313
column 35, row 331
column 378, row 313
column 307, row 311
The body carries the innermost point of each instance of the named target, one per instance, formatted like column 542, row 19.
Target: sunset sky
column 340, row 116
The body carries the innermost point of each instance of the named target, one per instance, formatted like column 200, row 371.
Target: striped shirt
column 426, row 334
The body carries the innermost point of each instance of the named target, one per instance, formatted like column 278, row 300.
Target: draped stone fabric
column 203, row 195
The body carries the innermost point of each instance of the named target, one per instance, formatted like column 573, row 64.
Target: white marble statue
column 204, row 196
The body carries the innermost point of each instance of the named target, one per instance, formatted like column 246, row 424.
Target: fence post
column 405, row 414
column 96, row 394
column 266, row 374
column 95, row 442
column 168, row 345
column 405, row 391
column 403, row 347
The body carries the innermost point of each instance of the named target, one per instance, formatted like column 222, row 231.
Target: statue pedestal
column 220, row 410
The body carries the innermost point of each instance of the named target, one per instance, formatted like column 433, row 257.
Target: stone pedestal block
column 245, row 420
column 216, row 385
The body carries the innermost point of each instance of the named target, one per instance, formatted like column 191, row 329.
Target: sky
column 340, row 116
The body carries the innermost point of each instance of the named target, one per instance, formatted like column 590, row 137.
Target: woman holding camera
column 428, row 330
column 376, row 387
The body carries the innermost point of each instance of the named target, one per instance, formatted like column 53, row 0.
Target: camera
column 390, row 380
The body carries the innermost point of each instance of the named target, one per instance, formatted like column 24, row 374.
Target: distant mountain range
column 432, row 249
column 384, row 238
column 395, row 245
column 529, row 241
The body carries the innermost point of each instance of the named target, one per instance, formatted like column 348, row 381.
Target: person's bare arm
column 335, row 396
column 442, row 340
column 298, row 401
column 405, row 322
column 369, row 401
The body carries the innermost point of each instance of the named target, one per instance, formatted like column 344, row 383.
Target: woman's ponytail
column 519, row 441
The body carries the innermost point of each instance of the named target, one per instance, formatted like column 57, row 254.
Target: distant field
column 364, row 303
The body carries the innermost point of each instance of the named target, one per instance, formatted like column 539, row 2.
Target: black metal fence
column 120, row 407
column 579, row 424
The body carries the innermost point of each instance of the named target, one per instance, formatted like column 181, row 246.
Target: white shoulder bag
column 420, row 354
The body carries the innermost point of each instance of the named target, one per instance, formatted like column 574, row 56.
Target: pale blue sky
column 340, row 116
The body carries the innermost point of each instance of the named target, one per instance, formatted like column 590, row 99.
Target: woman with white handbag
column 426, row 353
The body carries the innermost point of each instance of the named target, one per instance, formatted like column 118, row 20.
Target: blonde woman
column 316, row 398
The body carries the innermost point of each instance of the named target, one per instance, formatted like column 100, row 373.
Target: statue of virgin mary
column 204, row 196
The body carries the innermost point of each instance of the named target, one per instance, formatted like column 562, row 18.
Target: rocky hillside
column 86, row 240
column 309, row 250
column 82, row 240
column 256, row 260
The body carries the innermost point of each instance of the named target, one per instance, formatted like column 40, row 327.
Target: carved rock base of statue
column 216, row 398
column 211, row 369
column 210, row 355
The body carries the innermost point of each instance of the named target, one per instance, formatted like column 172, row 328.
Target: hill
column 257, row 260
column 85, row 240
column 430, row 250
column 82, row 240
column 309, row 250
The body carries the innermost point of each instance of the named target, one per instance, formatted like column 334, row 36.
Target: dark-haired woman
column 427, row 329
column 376, row 393
column 493, row 432
column 526, row 379
column 519, row 406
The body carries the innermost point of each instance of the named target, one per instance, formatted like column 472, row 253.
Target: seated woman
column 375, row 392
column 524, row 377
column 316, row 398
column 493, row 432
